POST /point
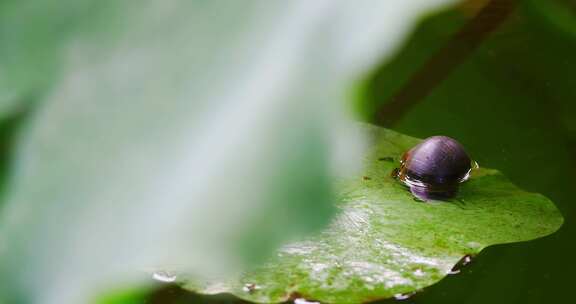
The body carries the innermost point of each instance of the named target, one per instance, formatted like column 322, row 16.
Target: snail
column 434, row 169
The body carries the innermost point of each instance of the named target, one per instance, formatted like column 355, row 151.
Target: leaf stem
column 445, row 60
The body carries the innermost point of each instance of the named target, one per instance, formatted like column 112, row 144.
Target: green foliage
column 86, row 194
column 384, row 243
column 124, row 297
column 512, row 105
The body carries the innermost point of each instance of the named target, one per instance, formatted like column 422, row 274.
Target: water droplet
column 453, row 271
column 250, row 288
column 403, row 296
column 164, row 276
column 467, row 259
column 304, row 301
column 475, row 165
column 418, row 272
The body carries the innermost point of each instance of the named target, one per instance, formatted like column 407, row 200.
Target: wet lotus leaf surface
column 384, row 243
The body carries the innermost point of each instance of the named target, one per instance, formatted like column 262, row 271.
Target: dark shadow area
column 173, row 294
column 9, row 128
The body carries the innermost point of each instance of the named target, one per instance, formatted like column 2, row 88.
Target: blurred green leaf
column 137, row 296
column 33, row 36
column 173, row 133
column 384, row 243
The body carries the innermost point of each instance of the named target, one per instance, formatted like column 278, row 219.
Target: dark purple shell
column 434, row 168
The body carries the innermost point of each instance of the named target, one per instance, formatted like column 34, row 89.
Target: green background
column 511, row 103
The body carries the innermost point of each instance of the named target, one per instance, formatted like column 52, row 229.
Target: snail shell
column 435, row 168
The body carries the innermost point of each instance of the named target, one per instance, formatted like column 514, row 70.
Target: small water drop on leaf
column 250, row 288
column 304, row 301
column 403, row 296
column 467, row 259
column 164, row 276
column 453, row 271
